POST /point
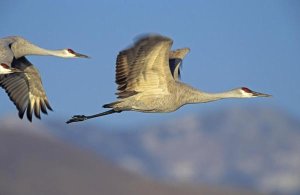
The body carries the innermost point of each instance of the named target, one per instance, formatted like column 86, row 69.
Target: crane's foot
column 77, row 118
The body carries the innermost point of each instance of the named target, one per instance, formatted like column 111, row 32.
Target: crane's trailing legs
column 78, row 118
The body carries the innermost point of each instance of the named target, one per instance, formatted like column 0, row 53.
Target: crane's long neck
column 196, row 96
column 26, row 48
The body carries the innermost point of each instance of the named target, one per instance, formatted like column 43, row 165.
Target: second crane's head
column 248, row 93
column 70, row 53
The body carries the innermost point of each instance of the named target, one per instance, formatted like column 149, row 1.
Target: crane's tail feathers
column 110, row 105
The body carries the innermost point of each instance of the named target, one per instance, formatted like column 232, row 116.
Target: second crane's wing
column 25, row 89
column 144, row 67
column 175, row 61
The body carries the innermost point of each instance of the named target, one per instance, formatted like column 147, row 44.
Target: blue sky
column 233, row 43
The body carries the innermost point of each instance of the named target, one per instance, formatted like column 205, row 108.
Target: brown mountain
column 32, row 162
column 254, row 147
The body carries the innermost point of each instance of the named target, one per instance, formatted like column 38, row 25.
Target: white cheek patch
column 245, row 94
column 70, row 55
column 4, row 70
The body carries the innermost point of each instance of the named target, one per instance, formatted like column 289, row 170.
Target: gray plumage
column 175, row 61
column 148, row 80
column 25, row 89
column 21, row 80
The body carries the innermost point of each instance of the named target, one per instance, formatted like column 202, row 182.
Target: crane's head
column 6, row 69
column 70, row 53
column 248, row 93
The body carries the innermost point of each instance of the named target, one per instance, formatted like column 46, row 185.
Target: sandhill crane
column 147, row 79
column 21, row 80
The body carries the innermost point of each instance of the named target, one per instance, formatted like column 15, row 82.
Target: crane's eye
column 245, row 89
column 71, row 51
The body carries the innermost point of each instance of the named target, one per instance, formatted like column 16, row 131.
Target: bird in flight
column 147, row 75
column 21, row 80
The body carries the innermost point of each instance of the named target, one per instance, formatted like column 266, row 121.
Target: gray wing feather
column 133, row 62
column 175, row 66
column 25, row 89
column 175, row 61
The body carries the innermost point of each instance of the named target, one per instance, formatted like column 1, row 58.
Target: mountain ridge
column 38, row 163
column 246, row 146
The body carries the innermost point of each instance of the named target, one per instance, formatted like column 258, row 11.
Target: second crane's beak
column 257, row 94
column 79, row 55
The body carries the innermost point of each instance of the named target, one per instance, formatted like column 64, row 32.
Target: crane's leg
column 78, row 118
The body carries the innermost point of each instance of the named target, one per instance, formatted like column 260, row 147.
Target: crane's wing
column 25, row 89
column 175, row 61
column 144, row 67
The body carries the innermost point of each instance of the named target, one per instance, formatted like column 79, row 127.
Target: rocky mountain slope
column 257, row 148
column 35, row 162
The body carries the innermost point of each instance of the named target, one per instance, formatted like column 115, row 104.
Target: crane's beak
column 15, row 70
column 79, row 55
column 257, row 94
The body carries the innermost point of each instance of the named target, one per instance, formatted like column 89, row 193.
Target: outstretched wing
column 144, row 67
column 25, row 89
column 175, row 61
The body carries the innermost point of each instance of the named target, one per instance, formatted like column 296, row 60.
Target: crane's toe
column 77, row 118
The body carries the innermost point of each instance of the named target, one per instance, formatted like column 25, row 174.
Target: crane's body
column 19, row 77
column 178, row 95
column 147, row 75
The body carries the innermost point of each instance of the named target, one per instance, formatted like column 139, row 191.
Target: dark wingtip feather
column 29, row 112
column 21, row 114
column 22, row 110
column 43, row 107
column 48, row 105
column 37, row 112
